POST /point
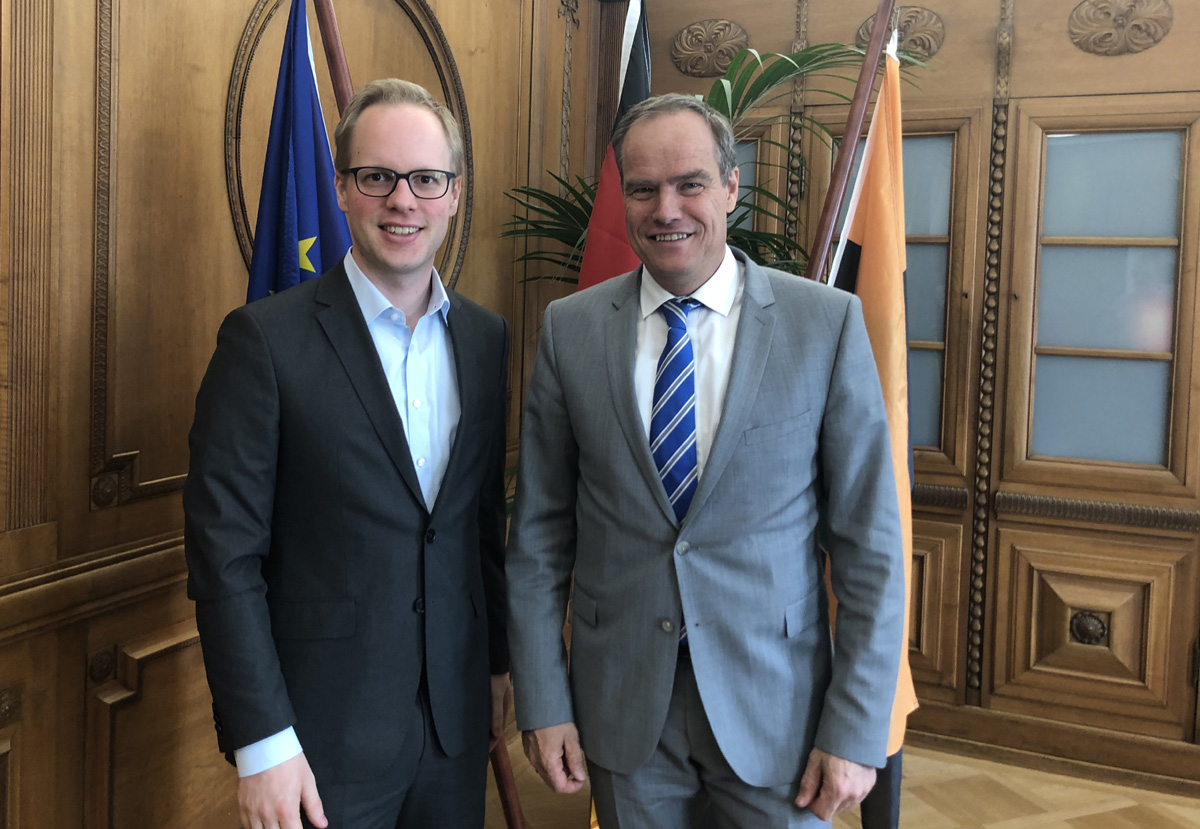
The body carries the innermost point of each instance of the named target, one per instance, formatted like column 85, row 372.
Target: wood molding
column 569, row 12
column 1098, row 512
column 9, row 777
column 428, row 26
column 114, row 476
column 64, row 595
column 27, row 171
column 941, row 497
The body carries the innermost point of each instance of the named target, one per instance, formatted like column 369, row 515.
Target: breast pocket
column 779, row 429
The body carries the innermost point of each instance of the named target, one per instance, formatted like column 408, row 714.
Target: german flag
column 607, row 253
column 870, row 262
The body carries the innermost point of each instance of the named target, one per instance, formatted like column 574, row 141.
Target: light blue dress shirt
column 420, row 371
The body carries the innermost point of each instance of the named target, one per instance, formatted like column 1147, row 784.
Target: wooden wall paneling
column 27, row 347
column 1047, row 61
column 1174, row 486
column 29, row 704
column 962, row 37
column 1096, row 629
column 936, row 624
column 150, row 733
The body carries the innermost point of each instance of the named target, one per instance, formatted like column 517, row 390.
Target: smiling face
column 396, row 238
column 675, row 201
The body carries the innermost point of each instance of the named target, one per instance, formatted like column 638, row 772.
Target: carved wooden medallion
column 922, row 31
column 704, row 49
column 1119, row 27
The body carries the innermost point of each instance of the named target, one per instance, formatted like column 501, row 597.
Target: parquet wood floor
column 941, row 791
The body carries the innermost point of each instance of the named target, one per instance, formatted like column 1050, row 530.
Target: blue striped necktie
column 673, row 416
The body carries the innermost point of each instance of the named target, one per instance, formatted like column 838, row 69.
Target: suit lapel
column 464, row 340
column 620, row 337
column 343, row 322
column 756, row 328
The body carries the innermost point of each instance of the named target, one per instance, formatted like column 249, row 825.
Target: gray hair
column 670, row 103
column 395, row 91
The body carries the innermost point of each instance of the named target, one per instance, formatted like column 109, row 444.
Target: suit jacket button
column 430, row 535
column 419, row 605
column 666, row 625
column 682, row 548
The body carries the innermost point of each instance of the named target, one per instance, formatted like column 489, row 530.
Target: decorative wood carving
column 935, row 653
column 430, row 29
column 705, row 49
column 570, row 11
column 5, row 782
column 1119, row 27
column 987, row 363
column 944, row 497
column 922, row 31
column 114, row 478
column 102, row 665
column 10, row 705
column 1087, row 628
column 25, row 258
column 795, row 169
column 1101, row 512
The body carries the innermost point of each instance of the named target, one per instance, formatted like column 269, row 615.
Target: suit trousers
column 688, row 784
column 423, row 788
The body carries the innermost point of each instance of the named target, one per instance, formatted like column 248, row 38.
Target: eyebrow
column 688, row 176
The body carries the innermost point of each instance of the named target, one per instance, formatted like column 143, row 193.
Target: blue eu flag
column 300, row 233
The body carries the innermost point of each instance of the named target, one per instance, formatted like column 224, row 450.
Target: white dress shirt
column 712, row 328
column 420, row 371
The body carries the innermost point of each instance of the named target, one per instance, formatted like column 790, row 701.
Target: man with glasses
column 345, row 508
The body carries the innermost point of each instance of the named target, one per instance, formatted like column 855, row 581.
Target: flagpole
column 849, row 145
column 335, row 55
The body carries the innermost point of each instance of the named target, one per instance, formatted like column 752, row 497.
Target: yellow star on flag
column 305, row 245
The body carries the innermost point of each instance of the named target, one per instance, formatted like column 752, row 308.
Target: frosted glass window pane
column 925, row 291
column 747, row 158
column 927, row 162
column 1113, row 184
column 925, row 398
column 1101, row 409
column 1093, row 297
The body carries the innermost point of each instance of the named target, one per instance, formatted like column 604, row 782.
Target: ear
column 340, row 183
column 731, row 187
column 455, row 192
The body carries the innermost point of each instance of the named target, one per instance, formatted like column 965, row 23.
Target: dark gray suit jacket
column 323, row 584
column 803, row 437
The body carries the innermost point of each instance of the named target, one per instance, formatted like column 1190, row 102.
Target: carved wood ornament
column 922, row 31
column 704, row 49
column 1119, row 27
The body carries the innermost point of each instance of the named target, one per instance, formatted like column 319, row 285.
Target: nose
column 666, row 206
column 402, row 197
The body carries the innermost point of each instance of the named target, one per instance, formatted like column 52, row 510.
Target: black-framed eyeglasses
column 380, row 182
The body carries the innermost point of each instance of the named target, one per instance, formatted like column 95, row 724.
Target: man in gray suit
column 677, row 456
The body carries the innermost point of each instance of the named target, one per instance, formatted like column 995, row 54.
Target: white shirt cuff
column 267, row 753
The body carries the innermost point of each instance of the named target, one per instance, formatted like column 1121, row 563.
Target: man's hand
column 501, row 702
column 831, row 785
column 555, row 755
column 272, row 799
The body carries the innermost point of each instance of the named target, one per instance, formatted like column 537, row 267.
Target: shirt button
column 430, row 535
column 420, row 461
column 416, row 404
column 394, row 317
column 419, row 606
column 682, row 548
column 666, row 625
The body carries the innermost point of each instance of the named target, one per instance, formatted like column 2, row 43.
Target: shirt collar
column 717, row 293
column 373, row 303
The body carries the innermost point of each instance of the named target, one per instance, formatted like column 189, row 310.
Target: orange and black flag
column 870, row 261
column 606, row 252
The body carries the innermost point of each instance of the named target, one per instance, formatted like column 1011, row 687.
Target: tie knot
column 675, row 311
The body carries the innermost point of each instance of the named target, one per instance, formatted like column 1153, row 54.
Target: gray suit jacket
column 802, row 440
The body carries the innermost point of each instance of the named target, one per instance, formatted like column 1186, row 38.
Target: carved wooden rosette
column 705, row 49
column 426, row 24
column 987, row 363
column 922, row 31
column 1087, row 628
column 1119, row 27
